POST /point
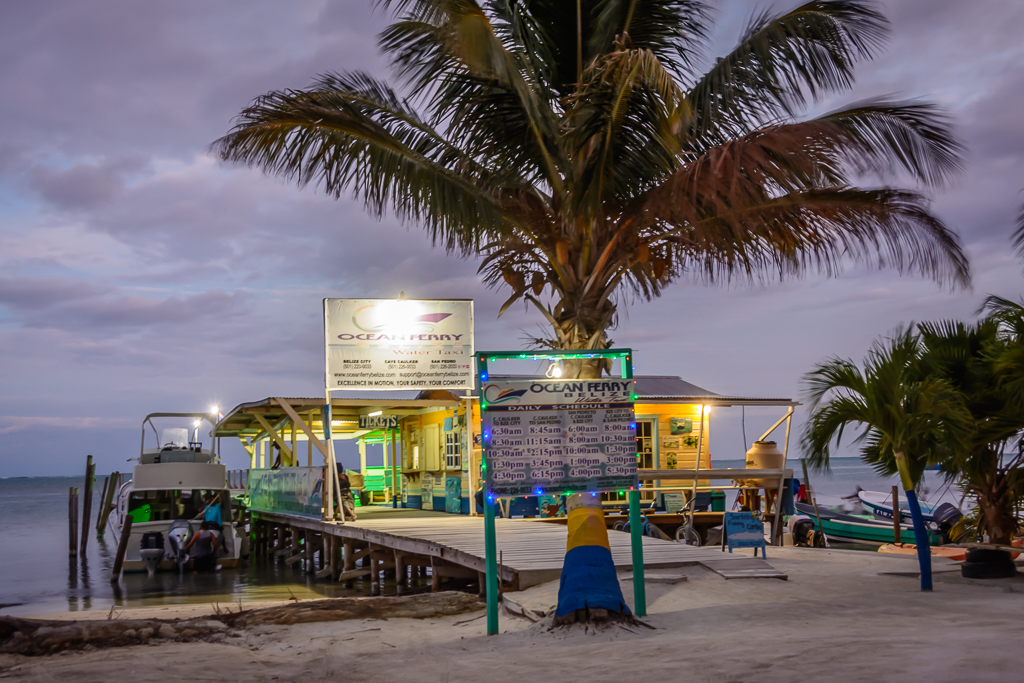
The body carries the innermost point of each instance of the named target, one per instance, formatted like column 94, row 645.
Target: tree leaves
column 625, row 171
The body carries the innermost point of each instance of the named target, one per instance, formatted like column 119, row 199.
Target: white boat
column 880, row 504
column 169, row 496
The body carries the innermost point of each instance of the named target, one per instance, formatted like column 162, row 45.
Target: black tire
column 988, row 556
column 619, row 526
column 985, row 570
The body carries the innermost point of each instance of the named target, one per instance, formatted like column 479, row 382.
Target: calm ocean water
column 37, row 576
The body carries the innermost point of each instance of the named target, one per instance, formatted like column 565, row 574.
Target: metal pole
column 328, row 485
column 491, row 559
column 696, row 471
column 636, row 537
column 395, row 493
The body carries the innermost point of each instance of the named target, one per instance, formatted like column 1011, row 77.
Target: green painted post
column 491, row 558
column 636, row 536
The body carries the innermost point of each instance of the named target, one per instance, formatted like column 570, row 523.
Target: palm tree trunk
column 924, row 552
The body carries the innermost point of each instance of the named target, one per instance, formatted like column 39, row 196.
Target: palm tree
column 982, row 362
column 579, row 151
column 909, row 419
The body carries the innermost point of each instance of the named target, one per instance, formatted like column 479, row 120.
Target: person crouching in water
column 204, row 559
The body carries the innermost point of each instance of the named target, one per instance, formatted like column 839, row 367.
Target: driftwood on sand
column 44, row 636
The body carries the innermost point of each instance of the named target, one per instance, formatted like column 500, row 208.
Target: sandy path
column 836, row 619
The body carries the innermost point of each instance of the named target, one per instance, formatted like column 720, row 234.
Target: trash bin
column 718, row 501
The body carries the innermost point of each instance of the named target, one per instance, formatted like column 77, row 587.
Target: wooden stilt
column 400, row 570
column 435, row 578
column 73, row 522
column 90, row 476
column 350, row 561
column 374, row 577
column 110, row 502
column 99, row 510
column 122, row 549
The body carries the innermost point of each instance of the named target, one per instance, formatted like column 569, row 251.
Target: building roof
column 242, row 421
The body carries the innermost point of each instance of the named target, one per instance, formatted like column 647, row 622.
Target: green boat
column 860, row 528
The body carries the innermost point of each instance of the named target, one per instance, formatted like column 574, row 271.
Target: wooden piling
column 374, row 576
column 73, row 522
column 349, row 559
column 99, row 510
column 399, row 573
column 90, row 476
column 109, row 502
column 122, row 549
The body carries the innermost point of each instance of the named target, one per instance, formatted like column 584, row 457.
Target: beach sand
column 839, row 617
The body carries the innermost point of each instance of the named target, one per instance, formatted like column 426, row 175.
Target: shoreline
column 843, row 615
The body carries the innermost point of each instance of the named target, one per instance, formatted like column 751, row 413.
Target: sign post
column 560, row 436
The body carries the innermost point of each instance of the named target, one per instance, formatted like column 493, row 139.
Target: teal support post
column 491, row 559
column 636, row 533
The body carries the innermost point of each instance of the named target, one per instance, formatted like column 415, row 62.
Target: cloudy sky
column 139, row 274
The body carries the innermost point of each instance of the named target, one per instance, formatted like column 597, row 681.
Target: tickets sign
column 559, row 436
column 388, row 344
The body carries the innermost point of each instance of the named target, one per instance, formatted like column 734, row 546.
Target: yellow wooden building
column 437, row 448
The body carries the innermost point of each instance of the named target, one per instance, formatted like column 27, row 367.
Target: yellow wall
column 686, row 456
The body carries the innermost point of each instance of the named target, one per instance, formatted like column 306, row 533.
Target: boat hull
column 856, row 529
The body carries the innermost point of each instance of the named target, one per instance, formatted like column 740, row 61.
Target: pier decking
column 531, row 550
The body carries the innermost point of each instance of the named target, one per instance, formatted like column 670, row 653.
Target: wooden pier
column 404, row 542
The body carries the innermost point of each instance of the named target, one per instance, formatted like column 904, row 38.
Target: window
column 645, row 444
column 453, row 450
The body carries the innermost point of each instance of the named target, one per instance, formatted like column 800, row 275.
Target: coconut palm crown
column 580, row 150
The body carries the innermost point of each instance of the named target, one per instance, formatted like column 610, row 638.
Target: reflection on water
column 34, row 578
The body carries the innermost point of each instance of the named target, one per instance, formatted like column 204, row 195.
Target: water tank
column 765, row 455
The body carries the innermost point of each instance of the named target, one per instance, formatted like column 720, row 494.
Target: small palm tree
column 985, row 363
column 908, row 419
column 579, row 151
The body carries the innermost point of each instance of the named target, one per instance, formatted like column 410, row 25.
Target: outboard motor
column 151, row 549
column 804, row 533
column 945, row 516
column 179, row 534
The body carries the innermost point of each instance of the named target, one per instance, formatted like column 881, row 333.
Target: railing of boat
column 238, row 479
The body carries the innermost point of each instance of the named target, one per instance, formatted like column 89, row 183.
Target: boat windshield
column 155, row 506
column 174, row 437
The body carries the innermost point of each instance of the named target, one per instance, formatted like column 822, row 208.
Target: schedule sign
column 543, row 436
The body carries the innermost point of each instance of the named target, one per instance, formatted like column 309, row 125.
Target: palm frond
column 352, row 133
column 811, row 49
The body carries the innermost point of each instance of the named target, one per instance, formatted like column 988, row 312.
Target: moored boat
column 174, row 488
column 858, row 528
column 880, row 504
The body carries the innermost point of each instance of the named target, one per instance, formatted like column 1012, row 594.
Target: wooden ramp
column 531, row 551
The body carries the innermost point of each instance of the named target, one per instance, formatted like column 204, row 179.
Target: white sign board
column 388, row 344
column 559, row 436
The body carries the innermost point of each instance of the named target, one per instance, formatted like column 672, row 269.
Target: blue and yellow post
column 588, row 574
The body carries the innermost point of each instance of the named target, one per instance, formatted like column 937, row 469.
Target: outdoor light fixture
column 375, row 413
column 554, row 370
column 215, row 410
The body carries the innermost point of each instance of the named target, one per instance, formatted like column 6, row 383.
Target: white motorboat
column 174, row 488
column 880, row 504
